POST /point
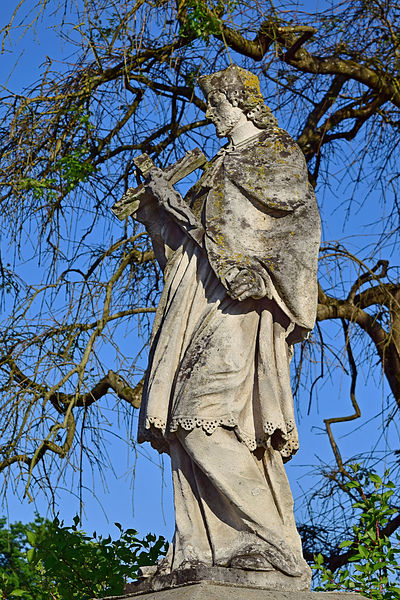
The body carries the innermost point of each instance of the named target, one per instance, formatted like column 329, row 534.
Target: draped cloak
column 215, row 361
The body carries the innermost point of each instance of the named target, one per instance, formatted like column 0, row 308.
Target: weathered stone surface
column 208, row 590
column 224, row 576
column 239, row 256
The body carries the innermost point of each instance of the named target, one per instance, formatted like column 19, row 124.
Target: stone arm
column 148, row 208
column 174, row 205
column 161, row 209
column 241, row 283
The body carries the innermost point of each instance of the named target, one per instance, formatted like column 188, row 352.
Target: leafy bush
column 45, row 560
column 372, row 568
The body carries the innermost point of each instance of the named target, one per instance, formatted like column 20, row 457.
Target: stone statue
column 239, row 256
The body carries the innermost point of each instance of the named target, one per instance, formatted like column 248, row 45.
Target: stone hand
column 245, row 284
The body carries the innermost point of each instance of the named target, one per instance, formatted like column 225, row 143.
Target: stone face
column 239, row 256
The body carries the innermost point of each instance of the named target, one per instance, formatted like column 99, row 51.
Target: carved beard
column 225, row 124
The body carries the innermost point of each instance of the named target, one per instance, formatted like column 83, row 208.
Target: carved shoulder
column 272, row 172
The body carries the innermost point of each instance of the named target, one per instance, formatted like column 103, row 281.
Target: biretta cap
column 232, row 78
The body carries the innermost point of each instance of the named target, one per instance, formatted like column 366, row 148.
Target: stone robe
column 213, row 360
column 217, row 363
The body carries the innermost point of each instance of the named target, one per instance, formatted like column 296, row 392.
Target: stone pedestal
column 207, row 590
column 237, row 578
column 202, row 583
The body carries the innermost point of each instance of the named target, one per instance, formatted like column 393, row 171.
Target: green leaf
column 352, row 484
column 374, row 477
column 30, row 554
column 31, row 537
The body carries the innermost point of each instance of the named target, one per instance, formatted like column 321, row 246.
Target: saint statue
column 239, row 256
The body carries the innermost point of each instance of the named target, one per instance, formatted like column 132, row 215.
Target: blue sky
column 139, row 493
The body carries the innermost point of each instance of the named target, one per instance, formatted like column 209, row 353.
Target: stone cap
column 232, row 78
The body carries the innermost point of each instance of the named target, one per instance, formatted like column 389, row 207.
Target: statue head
column 242, row 89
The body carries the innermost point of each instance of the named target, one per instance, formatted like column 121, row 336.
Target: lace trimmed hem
column 286, row 443
column 208, row 425
column 156, row 422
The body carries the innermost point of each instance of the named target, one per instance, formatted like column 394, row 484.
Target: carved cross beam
column 130, row 201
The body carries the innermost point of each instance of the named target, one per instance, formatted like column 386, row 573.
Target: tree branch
column 298, row 57
column 357, row 411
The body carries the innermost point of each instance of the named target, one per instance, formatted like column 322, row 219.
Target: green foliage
column 45, row 560
column 372, row 567
column 199, row 22
column 69, row 170
column 38, row 187
column 73, row 168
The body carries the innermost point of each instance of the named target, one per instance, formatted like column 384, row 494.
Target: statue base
column 218, row 583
